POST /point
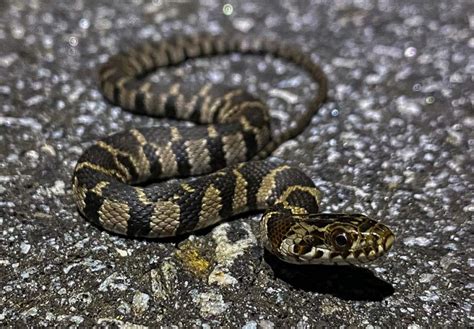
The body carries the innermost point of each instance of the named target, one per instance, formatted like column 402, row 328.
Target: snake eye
column 341, row 240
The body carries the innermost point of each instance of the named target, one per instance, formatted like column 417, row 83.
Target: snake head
column 327, row 238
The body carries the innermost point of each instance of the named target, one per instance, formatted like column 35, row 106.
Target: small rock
column 140, row 302
column 25, row 247
column 58, row 188
column 243, row 24
column 35, row 100
column 7, row 60
column 48, row 149
column 32, row 155
column 113, row 281
column 426, row 277
column 124, row 308
column 77, row 319
column 417, row 241
column 266, row 324
column 211, row 304
column 407, row 107
column 121, row 252
column 250, row 325
column 30, row 312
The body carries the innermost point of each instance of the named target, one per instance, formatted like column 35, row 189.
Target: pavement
column 394, row 141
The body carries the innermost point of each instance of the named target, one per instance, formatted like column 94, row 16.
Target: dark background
column 394, row 141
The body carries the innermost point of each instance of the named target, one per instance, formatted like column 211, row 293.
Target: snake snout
column 378, row 242
column 387, row 240
column 383, row 237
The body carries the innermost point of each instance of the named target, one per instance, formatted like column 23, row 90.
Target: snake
column 166, row 181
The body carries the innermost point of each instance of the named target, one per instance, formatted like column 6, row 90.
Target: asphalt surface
column 394, row 141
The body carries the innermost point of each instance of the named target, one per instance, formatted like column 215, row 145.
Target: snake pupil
column 341, row 240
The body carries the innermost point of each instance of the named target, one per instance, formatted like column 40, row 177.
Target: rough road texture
column 394, row 141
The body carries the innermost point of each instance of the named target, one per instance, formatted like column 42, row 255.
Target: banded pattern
column 234, row 127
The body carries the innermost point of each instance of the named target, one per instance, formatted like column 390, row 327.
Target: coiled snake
column 233, row 128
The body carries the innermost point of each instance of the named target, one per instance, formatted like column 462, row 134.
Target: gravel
column 395, row 141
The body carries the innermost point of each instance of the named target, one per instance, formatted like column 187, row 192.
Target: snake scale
column 224, row 150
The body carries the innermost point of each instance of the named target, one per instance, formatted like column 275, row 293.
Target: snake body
column 223, row 151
